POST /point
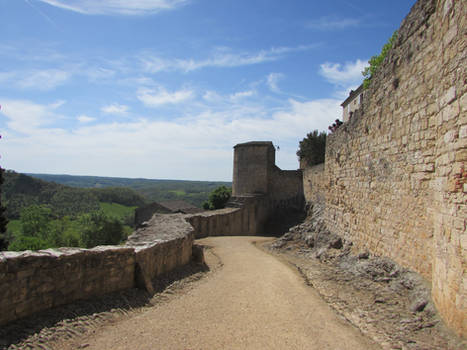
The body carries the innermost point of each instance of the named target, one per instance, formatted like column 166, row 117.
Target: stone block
column 463, row 131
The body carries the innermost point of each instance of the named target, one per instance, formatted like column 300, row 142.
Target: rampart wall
column 314, row 184
column 395, row 174
column 244, row 216
column 35, row 281
column 285, row 190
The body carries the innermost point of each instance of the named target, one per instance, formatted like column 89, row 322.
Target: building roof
column 179, row 206
column 352, row 95
column 254, row 143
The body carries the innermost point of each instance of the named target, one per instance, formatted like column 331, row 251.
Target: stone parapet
column 35, row 281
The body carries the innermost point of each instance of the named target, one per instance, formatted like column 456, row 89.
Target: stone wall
column 35, row 281
column 252, row 167
column 245, row 216
column 285, row 190
column 395, row 175
column 314, row 183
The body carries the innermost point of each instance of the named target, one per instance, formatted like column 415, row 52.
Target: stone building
column 352, row 103
column 145, row 213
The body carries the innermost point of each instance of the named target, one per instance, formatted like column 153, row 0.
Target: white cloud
column 160, row 96
column 26, row 116
column 222, row 57
column 45, row 79
column 85, row 119
column 332, row 23
column 115, row 109
column 241, row 95
column 273, row 80
column 195, row 147
column 119, row 7
column 349, row 73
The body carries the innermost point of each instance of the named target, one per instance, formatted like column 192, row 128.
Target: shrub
column 218, row 198
column 312, row 148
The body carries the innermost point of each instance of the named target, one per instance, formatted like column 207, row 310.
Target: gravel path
column 253, row 302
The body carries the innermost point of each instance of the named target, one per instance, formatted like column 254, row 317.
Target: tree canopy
column 218, row 198
column 312, row 148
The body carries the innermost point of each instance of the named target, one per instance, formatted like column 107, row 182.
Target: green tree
column 99, row 229
column 218, row 198
column 35, row 221
column 376, row 61
column 28, row 242
column 312, row 148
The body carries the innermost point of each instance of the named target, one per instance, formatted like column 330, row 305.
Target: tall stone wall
column 396, row 175
column 314, row 184
column 285, row 189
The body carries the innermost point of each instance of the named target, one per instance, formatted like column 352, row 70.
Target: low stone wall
column 247, row 216
column 35, row 281
column 163, row 244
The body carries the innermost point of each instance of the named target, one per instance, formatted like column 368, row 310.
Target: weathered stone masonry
column 35, row 281
column 395, row 174
column 259, row 190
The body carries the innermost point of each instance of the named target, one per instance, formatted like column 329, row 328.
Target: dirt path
column 253, row 302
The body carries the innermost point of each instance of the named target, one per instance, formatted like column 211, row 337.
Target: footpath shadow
column 280, row 223
column 72, row 319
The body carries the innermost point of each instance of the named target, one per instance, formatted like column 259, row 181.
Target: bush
column 28, row 242
column 100, row 229
column 312, row 148
column 218, row 198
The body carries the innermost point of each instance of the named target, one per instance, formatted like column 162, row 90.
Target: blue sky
column 165, row 88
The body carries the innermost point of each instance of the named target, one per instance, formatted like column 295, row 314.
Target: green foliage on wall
column 218, row 198
column 376, row 61
column 312, row 148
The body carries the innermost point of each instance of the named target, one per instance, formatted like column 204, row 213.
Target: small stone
column 336, row 243
column 364, row 255
column 418, row 305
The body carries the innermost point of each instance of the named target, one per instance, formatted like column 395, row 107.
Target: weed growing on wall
column 376, row 61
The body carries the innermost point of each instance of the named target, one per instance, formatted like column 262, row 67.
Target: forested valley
column 87, row 212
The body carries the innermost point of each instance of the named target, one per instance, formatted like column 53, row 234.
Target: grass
column 117, row 210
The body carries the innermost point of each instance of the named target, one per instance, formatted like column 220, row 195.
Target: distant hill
column 20, row 191
column 194, row 192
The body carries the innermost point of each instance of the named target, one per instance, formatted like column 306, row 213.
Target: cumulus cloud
column 115, row 109
column 222, row 57
column 160, row 96
column 85, row 119
column 349, row 73
column 26, row 116
column 198, row 146
column 116, row 7
column 332, row 23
